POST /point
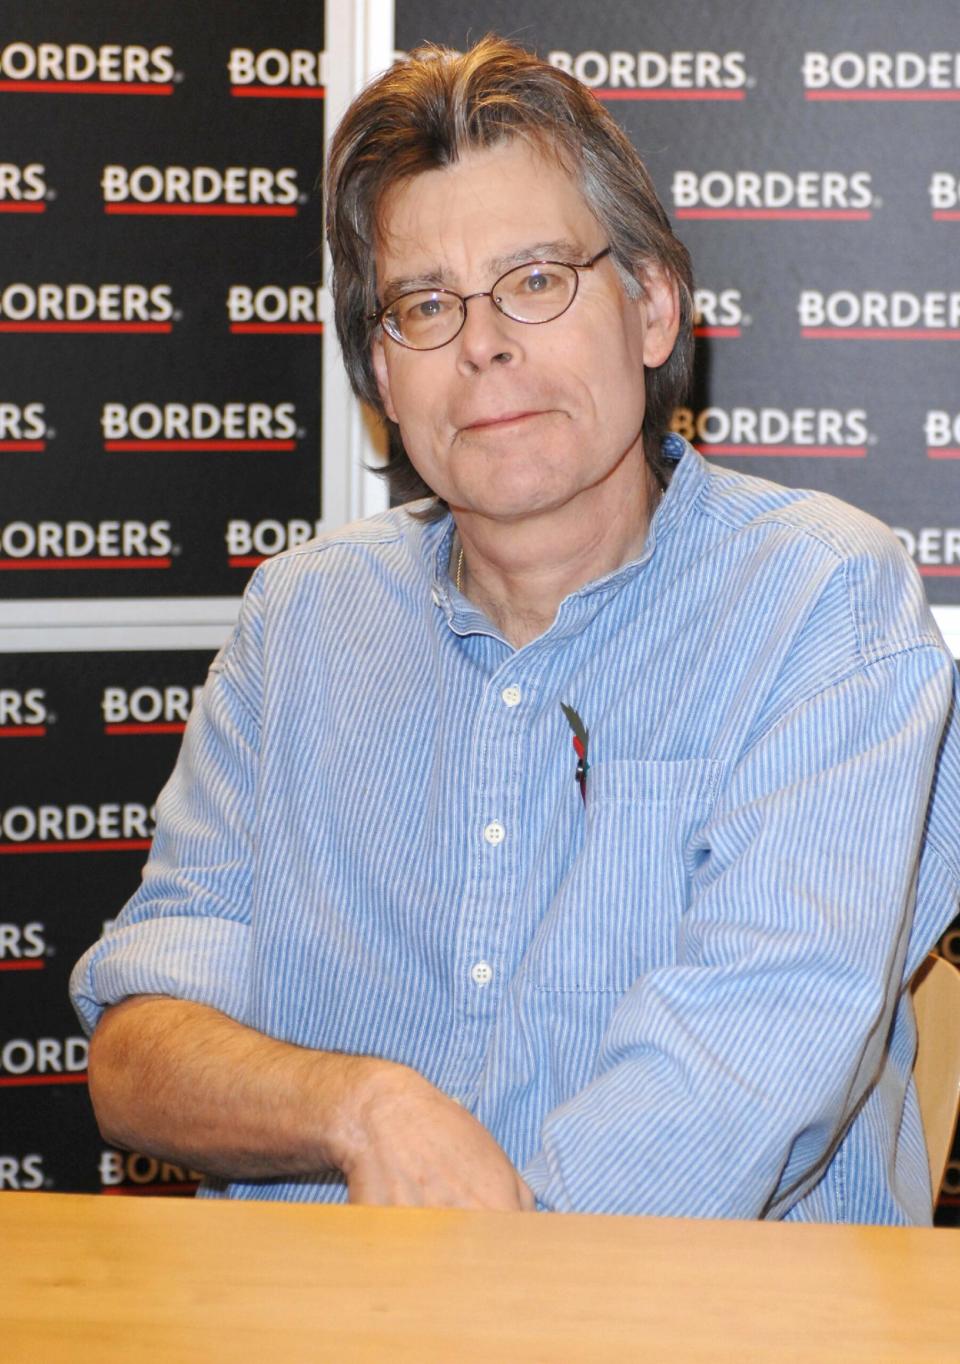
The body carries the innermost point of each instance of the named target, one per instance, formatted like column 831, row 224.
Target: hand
column 413, row 1146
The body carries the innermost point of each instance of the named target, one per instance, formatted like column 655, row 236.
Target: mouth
column 503, row 419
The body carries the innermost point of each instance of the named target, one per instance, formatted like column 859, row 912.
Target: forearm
column 182, row 1081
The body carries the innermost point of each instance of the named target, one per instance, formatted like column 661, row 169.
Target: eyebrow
column 559, row 249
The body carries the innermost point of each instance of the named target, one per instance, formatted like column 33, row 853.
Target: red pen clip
column 581, row 738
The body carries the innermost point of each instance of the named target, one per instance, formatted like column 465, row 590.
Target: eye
column 413, row 310
column 537, row 280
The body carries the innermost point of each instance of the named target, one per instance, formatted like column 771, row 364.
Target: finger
column 528, row 1201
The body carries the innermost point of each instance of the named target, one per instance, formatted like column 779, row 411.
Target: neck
column 518, row 572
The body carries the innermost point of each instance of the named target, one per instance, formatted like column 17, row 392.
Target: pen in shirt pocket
column 581, row 739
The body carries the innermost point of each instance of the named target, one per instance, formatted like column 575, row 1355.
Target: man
column 565, row 841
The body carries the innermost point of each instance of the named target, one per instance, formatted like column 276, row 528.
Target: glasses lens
column 424, row 319
column 536, row 293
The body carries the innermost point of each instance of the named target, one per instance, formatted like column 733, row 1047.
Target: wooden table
column 142, row 1280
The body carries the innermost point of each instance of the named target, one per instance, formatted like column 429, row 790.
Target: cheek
column 415, row 390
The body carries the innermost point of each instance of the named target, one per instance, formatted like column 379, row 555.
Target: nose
column 487, row 337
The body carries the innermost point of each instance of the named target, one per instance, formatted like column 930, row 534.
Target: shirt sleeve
column 185, row 932
column 724, row 1082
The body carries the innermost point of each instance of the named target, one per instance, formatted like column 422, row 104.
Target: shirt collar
column 686, row 483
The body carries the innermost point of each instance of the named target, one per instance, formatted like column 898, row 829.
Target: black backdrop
column 808, row 156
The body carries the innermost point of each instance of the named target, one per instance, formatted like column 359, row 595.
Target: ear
column 661, row 304
column 381, row 373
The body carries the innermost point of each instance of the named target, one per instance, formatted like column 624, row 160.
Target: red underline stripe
column 821, row 451
column 716, row 331
column 881, row 333
column 158, row 727
column 246, row 560
column 304, row 328
column 939, row 571
column 851, row 215
column 147, row 1190
column 943, row 452
column 152, row 327
column 23, row 208
column 40, row 445
column 32, row 965
column 79, row 1079
column 22, row 731
column 84, row 88
column 946, row 215
column 126, row 445
column 79, row 845
column 605, row 92
column 31, row 564
column 278, row 91
column 882, row 94
column 207, row 210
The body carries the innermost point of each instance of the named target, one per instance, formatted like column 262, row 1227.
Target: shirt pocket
column 617, row 911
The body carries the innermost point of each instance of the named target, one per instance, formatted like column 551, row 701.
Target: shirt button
column 494, row 833
column 481, row 973
column 511, row 696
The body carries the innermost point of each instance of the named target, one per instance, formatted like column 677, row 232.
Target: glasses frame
column 378, row 318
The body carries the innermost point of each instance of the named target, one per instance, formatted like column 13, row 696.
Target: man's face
column 510, row 419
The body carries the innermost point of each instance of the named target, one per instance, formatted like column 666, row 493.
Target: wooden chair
column 936, row 1000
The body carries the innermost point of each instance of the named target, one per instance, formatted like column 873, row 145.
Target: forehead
column 486, row 207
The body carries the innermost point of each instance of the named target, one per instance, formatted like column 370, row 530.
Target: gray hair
column 424, row 114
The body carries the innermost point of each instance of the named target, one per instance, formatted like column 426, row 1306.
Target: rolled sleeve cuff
column 199, row 959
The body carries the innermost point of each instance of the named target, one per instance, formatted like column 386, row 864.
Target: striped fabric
column 682, row 996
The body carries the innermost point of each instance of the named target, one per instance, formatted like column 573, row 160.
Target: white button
column 494, row 833
column 481, row 973
column 511, row 696
column 435, row 594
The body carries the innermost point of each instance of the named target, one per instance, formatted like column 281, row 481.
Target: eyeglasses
column 537, row 291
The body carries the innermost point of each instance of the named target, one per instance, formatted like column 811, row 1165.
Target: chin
column 506, row 504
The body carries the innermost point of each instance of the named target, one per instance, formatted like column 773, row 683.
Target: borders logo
column 86, row 308
column 26, row 545
column 273, row 74
column 822, row 432
column 202, row 191
column 129, row 1172
column 23, row 947
column 23, row 428
column 23, row 189
column 934, row 549
column 657, row 75
column 875, row 315
column 23, row 714
column 76, row 828
column 771, row 195
column 945, row 197
column 719, row 314
column 942, row 431
column 249, row 543
column 881, row 76
column 76, row 69
column 22, row 1172
column 147, row 710
column 43, row 1061
column 199, row 426
column 274, row 308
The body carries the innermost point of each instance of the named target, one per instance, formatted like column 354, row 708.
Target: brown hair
column 423, row 114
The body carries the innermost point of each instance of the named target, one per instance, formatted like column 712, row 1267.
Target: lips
column 500, row 419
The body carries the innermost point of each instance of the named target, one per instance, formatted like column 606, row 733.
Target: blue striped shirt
column 683, row 996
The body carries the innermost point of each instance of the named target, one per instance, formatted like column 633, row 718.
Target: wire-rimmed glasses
column 535, row 292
